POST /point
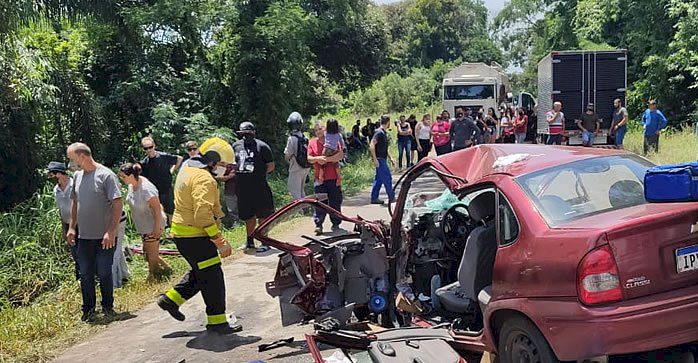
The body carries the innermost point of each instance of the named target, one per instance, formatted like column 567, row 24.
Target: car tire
column 521, row 341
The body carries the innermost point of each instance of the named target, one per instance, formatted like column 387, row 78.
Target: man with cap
column 590, row 124
column 195, row 228
column 298, row 164
column 61, row 191
column 653, row 122
column 254, row 161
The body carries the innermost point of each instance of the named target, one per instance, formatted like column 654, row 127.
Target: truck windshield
column 469, row 92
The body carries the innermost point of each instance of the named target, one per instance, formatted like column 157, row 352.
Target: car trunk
column 646, row 251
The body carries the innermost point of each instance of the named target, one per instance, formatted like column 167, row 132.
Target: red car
column 532, row 253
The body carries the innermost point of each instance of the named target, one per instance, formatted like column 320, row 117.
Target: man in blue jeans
column 380, row 156
column 653, row 121
column 332, row 181
column 97, row 206
column 620, row 123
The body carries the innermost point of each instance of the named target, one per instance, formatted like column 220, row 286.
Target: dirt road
column 153, row 336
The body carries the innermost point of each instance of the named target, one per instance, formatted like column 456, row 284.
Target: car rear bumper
column 644, row 324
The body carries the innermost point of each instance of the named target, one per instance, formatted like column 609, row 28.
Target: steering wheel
column 455, row 224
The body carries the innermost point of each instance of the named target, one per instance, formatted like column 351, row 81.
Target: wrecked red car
column 531, row 253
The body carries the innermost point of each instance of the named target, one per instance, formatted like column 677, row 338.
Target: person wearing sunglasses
column 61, row 191
column 158, row 167
column 192, row 150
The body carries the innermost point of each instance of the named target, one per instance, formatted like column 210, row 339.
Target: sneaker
column 318, row 231
column 336, row 228
column 225, row 328
column 377, row 201
column 263, row 249
column 109, row 313
column 88, row 316
column 168, row 305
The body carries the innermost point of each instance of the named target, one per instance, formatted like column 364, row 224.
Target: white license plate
column 687, row 259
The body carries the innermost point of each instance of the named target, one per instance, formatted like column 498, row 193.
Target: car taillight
column 597, row 278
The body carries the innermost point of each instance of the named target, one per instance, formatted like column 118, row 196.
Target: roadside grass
column 675, row 146
column 33, row 333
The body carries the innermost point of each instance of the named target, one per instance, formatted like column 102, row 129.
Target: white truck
column 475, row 85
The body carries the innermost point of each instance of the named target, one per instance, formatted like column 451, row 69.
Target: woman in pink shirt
column 440, row 134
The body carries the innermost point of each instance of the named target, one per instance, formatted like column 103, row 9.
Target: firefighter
column 195, row 228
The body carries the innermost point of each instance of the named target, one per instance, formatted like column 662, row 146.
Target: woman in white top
column 147, row 216
column 423, row 133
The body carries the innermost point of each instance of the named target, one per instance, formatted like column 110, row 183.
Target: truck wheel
column 521, row 342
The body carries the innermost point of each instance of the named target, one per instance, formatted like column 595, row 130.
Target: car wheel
column 521, row 342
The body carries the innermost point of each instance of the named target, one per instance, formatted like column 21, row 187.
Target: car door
column 314, row 277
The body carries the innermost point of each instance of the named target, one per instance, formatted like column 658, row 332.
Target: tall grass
column 33, row 258
column 675, row 146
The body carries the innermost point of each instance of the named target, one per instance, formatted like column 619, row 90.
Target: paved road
column 153, row 336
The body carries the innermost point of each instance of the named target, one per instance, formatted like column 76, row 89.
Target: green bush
column 33, row 258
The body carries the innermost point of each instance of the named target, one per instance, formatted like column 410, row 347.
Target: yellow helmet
column 220, row 146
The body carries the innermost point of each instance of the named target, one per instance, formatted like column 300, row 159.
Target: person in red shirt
column 520, row 126
column 331, row 183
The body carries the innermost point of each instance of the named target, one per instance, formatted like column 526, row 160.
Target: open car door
column 336, row 275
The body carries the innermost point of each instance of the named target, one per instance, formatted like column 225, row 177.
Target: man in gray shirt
column 463, row 130
column 62, row 191
column 296, row 173
column 97, row 207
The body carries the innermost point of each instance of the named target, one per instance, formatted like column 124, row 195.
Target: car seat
column 475, row 270
column 626, row 193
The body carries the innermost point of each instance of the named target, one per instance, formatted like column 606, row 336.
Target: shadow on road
column 213, row 342
column 118, row 317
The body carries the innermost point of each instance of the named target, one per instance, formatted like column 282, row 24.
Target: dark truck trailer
column 577, row 78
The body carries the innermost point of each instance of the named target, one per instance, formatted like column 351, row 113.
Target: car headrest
column 482, row 207
column 626, row 193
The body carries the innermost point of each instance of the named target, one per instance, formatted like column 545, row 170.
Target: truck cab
column 475, row 85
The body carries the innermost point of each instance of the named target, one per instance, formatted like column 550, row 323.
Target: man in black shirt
column 463, row 130
column 254, row 161
column 158, row 167
column 380, row 156
column 368, row 130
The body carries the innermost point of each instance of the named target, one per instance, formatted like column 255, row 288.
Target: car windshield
column 469, row 92
column 576, row 190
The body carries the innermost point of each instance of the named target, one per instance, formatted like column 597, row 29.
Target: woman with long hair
column 423, row 132
column 440, row 132
column 520, row 126
column 507, row 127
column 147, row 216
column 491, row 123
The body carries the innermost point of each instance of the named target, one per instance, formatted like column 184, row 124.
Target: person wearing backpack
column 296, row 154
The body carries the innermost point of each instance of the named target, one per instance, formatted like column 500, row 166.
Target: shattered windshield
column 576, row 190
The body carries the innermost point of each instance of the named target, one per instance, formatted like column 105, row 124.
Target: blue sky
column 493, row 5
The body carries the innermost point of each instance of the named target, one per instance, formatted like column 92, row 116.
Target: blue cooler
column 672, row 183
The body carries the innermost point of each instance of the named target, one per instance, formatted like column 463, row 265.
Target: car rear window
column 576, row 190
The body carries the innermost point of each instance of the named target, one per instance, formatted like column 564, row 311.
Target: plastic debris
column 337, row 357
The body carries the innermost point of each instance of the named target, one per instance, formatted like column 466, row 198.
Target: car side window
column 508, row 225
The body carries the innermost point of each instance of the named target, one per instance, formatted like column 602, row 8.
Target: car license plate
column 687, row 259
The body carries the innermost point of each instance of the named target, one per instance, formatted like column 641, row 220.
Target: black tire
column 520, row 341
